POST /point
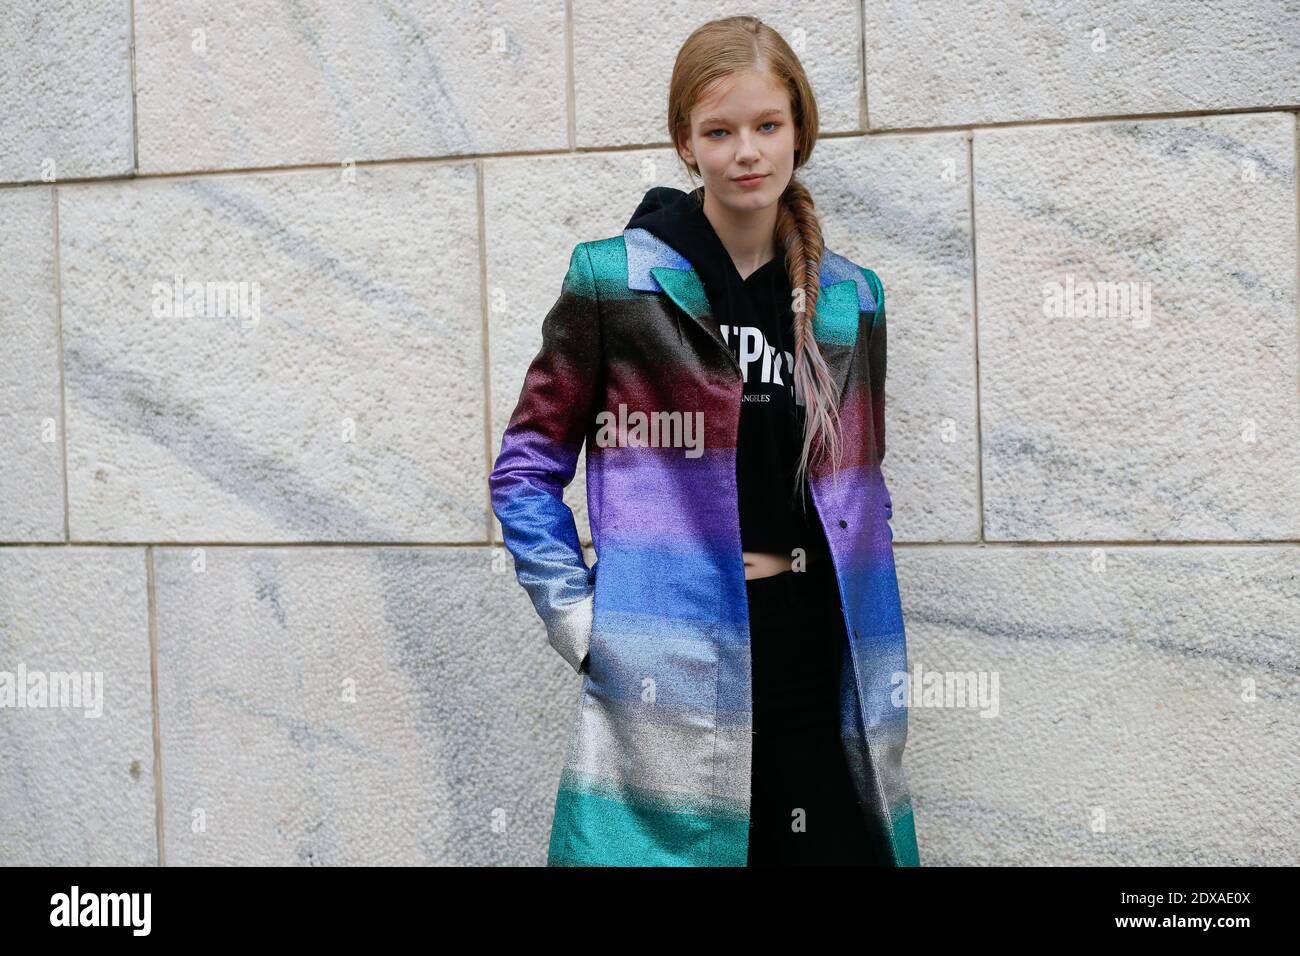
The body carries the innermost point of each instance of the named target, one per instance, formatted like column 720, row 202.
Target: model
column 740, row 637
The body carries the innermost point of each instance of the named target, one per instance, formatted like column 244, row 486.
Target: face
column 745, row 127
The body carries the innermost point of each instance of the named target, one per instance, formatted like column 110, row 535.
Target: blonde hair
column 714, row 51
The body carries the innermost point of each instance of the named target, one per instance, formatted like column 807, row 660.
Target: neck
column 748, row 235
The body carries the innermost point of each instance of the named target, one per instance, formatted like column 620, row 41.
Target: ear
column 684, row 148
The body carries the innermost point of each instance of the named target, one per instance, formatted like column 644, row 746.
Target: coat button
column 843, row 523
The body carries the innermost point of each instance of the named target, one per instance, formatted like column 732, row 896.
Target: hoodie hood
column 655, row 199
column 677, row 218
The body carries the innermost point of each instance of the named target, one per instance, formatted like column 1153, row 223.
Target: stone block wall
column 265, row 532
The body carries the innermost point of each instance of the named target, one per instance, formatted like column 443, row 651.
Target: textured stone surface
column 621, row 75
column 954, row 63
column 325, row 706
column 1124, row 683
column 31, row 414
column 221, row 428
column 322, row 82
column 1184, row 425
column 900, row 205
column 65, row 90
column 77, row 783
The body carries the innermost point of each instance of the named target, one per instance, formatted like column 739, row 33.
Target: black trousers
column 804, row 810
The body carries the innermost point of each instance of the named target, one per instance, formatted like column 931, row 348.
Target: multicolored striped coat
column 657, row 770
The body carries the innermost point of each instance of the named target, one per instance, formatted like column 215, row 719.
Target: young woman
column 740, row 634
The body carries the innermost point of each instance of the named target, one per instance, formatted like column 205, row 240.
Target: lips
column 750, row 179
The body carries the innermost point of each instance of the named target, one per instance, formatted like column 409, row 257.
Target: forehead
column 741, row 96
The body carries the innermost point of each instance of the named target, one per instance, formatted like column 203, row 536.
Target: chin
column 749, row 198
column 767, row 196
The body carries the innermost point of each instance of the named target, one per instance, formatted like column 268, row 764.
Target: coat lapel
column 686, row 289
column 654, row 266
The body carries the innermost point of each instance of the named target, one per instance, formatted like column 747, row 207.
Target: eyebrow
column 709, row 120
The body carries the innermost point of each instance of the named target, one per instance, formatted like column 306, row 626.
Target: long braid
column 799, row 233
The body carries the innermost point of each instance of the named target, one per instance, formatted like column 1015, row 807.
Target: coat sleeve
column 539, row 453
column 877, row 355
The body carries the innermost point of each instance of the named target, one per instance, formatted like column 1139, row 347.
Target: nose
column 746, row 149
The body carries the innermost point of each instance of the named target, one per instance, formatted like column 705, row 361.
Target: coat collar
column 655, row 266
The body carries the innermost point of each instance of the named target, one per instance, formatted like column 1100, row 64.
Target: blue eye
column 772, row 123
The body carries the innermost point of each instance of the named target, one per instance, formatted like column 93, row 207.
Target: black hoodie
column 758, row 324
